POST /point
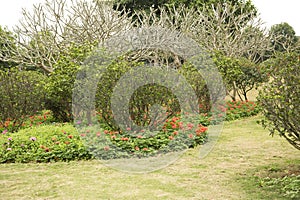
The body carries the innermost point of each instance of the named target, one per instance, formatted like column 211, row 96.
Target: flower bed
column 40, row 141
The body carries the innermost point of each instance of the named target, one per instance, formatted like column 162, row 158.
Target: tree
column 280, row 97
column 240, row 75
column 284, row 38
column 54, row 25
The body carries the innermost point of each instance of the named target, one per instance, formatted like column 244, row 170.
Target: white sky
column 272, row 11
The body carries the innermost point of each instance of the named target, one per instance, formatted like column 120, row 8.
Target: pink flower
column 4, row 132
column 33, row 138
column 8, row 149
column 106, row 148
column 10, row 139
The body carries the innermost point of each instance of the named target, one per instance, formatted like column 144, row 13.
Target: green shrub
column 280, row 97
column 22, row 95
column 60, row 83
column 148, row 95
column 45, row 143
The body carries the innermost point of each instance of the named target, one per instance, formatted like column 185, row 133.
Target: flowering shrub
column 44, row 117
column 234, row 110
column 175, row 135
column 239, row 109
column 45, row 143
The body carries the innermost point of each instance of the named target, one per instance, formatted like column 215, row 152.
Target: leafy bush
column 22, row 94
column 61, row 82
column 44, row 143
column 148, row 95
column 280, row 98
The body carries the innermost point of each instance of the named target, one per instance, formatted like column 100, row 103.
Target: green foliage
column 284, row 36
column 138, row 5
column 22, row 95
column 239, row 74
column 7, row 39
column 61, row 81
column 288, row 186
column 45, row 143
column 280, row 98
column 147, row 96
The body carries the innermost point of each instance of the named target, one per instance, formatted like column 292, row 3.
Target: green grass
column 243, row 153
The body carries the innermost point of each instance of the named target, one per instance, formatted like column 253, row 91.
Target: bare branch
column 50, row 28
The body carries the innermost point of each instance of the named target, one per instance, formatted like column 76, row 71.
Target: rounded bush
column 45, row 143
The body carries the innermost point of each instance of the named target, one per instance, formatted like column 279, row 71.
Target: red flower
column 113, row 137
column 106, row 148
column 171, row 137
column 145, row 149
column 98, row 134
column 137, row 148
column 175, row 133
column 191, row 136
column 70, row 136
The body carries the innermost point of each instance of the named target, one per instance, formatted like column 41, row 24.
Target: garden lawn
column 243, row 150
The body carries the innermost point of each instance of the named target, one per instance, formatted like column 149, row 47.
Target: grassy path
column 242, row 148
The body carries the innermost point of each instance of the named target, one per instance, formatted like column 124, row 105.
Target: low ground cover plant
column 282, row 180
column 45, row 143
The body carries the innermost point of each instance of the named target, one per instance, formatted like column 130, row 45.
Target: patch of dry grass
column 243, row 146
